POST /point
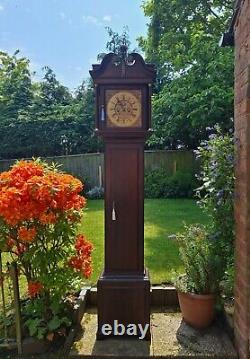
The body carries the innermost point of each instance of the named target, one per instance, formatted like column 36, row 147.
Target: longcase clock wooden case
column 123, row 112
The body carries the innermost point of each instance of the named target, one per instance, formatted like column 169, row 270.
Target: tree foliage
column 118, row 44
column 194, row 88
column 15, row 86
column 53, row 93
column 43, row 118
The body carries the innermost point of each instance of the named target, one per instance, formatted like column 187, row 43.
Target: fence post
column 175, row 167
column 14, row 275
column 3, row 296
column 100, row 176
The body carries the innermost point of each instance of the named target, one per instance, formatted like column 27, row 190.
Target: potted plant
column 198, row 286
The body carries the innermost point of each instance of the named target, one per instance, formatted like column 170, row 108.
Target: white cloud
column 62, row 15
column 65, row 17
column 91, row 20
column 107, row 18
column 1, row 7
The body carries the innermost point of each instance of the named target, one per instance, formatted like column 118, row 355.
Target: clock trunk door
column 124, row 230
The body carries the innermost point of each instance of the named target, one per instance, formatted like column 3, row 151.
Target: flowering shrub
column 40, row 208
column 216, row 193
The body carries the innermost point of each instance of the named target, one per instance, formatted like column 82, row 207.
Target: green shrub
column 159, row 184
column 216, row 193
column 95, row 193
column 180, row 184
column 154, row 183
column 43, row 137
column 200, row 263
column 227, row 284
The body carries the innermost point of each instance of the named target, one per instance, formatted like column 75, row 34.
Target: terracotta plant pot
column 197, row 310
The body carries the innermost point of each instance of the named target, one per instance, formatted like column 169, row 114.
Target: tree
column 116, row 42
column 52, row 130
column 43, row 118
column 84, row 104
column 15, row 86
column 194, row 88
column 49, row 95
column 52, row 92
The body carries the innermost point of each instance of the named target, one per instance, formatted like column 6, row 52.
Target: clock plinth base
column 124, row 299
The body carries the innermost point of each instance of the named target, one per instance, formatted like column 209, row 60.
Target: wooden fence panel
column 172, row 161
column 89, row 167
column 83, row 166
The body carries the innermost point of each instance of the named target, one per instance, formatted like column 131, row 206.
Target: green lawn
column 163, row 217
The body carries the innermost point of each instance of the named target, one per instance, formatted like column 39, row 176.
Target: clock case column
column 124, row 288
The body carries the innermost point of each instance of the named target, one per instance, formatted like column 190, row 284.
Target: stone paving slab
column 171, row 338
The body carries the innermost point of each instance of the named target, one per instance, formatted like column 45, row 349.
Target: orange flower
column 82, row 261
column 10, row 242
column 26, row 234
column 48, row 218
column 74, row 217
column 29, row 190
column 34, row 288
column 75, row 262
column 82, row 245
column 88, row 270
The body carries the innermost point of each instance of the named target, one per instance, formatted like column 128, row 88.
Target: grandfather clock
column 123, row 112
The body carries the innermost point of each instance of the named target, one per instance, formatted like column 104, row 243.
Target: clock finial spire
column 124, row 57
column 124, row 52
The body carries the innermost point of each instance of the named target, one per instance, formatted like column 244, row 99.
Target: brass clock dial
column 123, row 108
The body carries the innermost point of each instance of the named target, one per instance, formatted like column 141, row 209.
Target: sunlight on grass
column 8, row 288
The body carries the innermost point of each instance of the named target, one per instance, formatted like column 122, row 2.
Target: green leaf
column 33, row 326
column 54, row 323
column 41, row 332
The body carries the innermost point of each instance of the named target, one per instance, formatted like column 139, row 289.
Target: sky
column 66, row 35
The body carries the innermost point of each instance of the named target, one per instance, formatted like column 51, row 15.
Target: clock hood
column 113, row 70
